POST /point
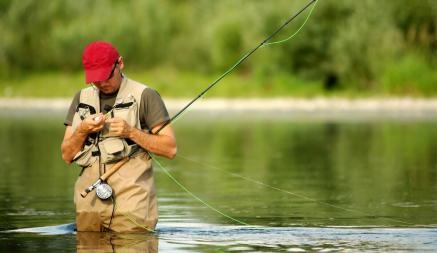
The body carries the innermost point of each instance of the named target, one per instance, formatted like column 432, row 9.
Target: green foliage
column 348, row 45
column 417, row 23
column 397, row 77
column 363, row 44
column 228, row 44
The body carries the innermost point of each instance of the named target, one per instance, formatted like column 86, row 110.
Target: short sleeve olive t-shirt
column 152, row 109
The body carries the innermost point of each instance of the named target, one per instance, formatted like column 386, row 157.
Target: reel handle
column 105, row 176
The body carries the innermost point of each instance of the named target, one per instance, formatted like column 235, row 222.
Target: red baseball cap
column 98, row 59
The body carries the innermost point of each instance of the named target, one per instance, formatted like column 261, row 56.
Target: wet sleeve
column 69, row 119
column 152, row 109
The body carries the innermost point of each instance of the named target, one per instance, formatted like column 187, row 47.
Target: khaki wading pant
column 134, row 193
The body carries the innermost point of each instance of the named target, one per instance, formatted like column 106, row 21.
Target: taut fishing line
column 265, row 42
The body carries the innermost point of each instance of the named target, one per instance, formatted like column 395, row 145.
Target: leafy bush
column 346, row 44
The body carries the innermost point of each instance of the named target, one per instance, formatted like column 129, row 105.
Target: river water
column 302, row 184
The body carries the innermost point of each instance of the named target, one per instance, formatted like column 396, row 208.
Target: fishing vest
column 101, row 145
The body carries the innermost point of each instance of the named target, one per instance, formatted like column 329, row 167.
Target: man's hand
column 118, row 127
column 74, row 140
column 92, row 124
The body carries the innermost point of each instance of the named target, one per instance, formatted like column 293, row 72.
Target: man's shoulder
column 136, row 83
column 77, row 96
column 150, row 92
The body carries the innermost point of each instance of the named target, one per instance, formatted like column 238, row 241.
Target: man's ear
column 121, row 62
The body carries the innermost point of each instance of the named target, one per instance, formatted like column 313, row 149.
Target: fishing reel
column 104, row 191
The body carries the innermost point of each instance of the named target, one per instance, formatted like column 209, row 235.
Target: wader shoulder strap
column 90, row 96
column 131, row 88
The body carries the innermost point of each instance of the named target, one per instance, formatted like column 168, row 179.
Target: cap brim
column 97, row 75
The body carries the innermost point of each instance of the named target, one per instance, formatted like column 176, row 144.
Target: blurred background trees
column 364, row 45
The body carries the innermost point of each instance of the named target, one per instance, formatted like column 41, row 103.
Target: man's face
column 112, row 84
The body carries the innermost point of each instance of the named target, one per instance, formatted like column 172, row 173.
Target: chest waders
column 131, row 184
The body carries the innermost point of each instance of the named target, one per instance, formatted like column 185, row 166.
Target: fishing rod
column 247, row 55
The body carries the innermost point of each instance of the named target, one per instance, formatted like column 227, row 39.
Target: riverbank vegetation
column 352, row 48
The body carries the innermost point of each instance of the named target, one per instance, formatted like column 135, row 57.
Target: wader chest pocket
column 111, row 149
column 85, row 158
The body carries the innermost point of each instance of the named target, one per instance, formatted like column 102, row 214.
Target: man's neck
column 108, row 95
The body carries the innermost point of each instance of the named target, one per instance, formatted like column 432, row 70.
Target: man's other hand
column 119, row 127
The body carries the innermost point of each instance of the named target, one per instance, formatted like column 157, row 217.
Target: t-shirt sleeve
column 152, row 109
column 69, row 119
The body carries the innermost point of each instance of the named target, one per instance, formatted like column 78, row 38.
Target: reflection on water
column 304, row 185
column 198, row 237
column 108, row 242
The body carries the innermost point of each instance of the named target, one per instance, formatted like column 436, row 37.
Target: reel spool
column 103, row 191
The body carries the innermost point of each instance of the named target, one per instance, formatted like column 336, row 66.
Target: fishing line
column 195, row 196
column 286, row 191
column 241, row 60
column 298, row 30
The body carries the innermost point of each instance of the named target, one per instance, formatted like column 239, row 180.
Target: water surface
column 301, row 183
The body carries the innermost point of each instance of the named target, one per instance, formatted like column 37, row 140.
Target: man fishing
column 112, row 120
